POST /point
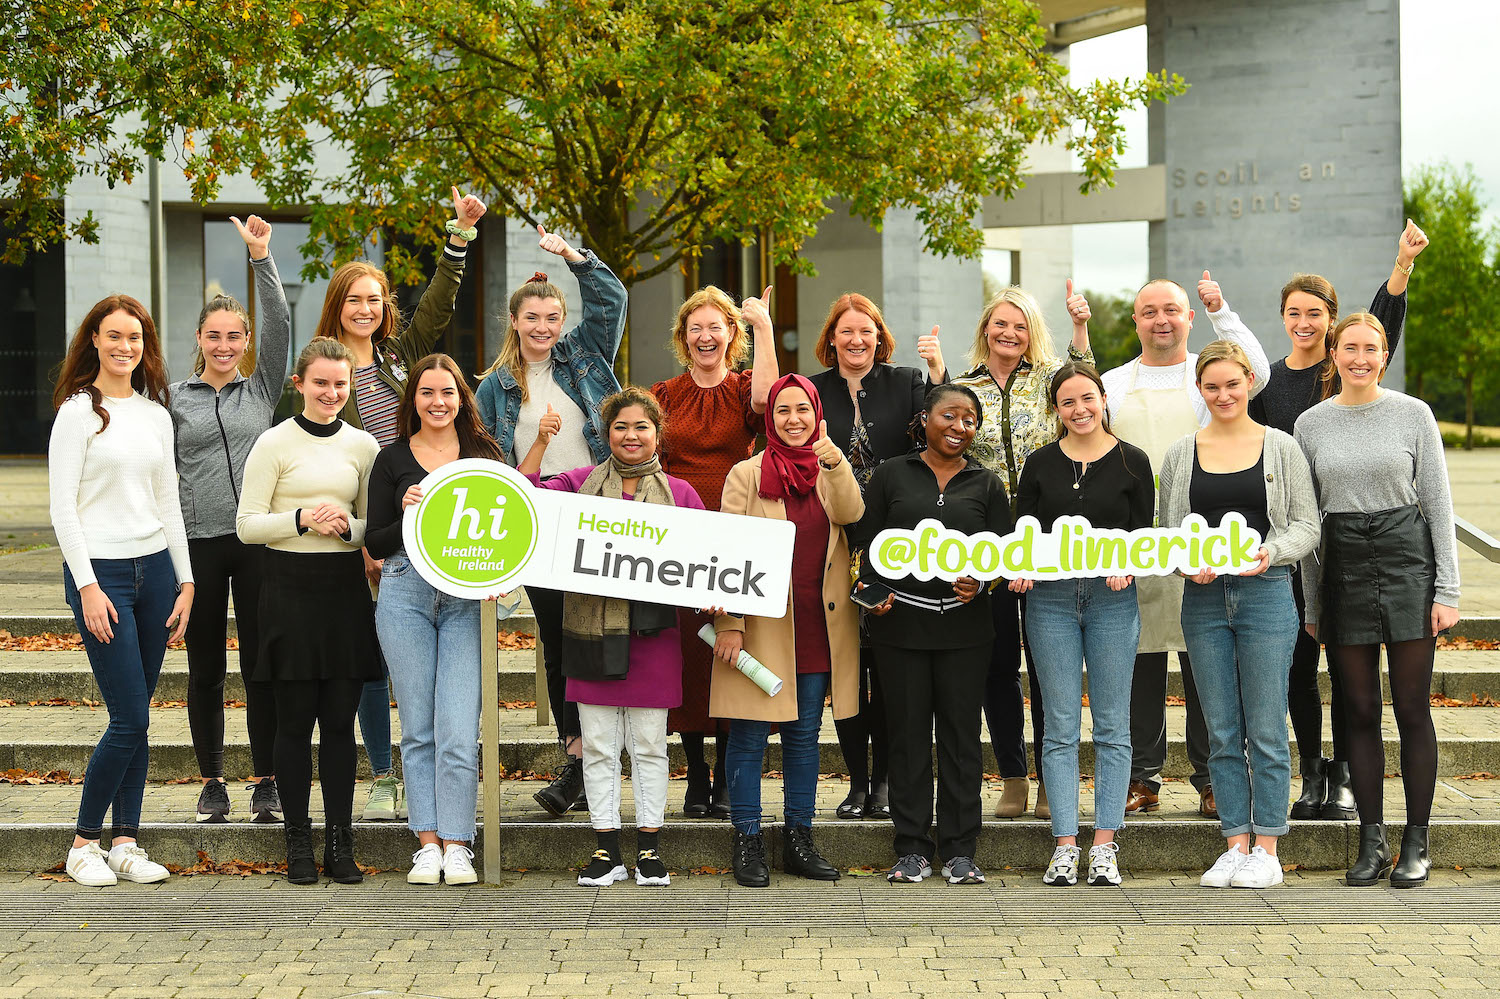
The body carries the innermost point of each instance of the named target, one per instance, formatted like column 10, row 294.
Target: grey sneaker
column 381, row 807
column 961, row 871
column 910, row 869
column 1063, row 870
column 1104, row 865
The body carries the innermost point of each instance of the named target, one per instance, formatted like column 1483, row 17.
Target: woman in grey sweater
column 1388, row 574
column 1241, row 629
column 217, row 414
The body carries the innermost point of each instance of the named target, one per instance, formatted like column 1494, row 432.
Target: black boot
column 878, row 804
column 1374, row 860
column 1339, row 803
column 749, row 860
column 338, row 855
column 800, row 857
column 582, row 804
column 718, row 801
column 1314, row 788
column 695, row 800
column 559, row 796
column 300, row 868
column 1412, row 867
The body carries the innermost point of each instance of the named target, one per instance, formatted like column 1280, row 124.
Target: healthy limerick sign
column 483, row 529
column 1071, row 550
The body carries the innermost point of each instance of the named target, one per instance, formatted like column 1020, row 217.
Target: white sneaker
column 130, row 863
column 1063, row 870
column 458, row 865
column 1260, row 870
column 426, row 866
column 89, row 865
column 1104, row 866
column 1224, row 869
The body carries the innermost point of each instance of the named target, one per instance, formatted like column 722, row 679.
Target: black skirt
column 317, row 621
column 1379, row 577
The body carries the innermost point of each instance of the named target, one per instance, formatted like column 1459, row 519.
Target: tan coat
column 772, row 639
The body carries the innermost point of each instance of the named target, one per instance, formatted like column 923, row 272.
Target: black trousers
column 927, row 692
column 1148, row 721
column 222, row 565
column 864, row 736
column 1304, row 699
column 547, row 605
column 331, row 705
column 1004, row 700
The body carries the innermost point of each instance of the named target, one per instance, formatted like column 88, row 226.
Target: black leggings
column 1304, row 699
column 1410, row 665
column 547, row 605
column 220, row 565
column 866, row 727
column 1004, row 702
column 331, row 704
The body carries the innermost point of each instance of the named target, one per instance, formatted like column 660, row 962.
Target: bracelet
column 467, row 235
column 1408, row 268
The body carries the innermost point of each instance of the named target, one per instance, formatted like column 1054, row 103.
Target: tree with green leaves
column 647, row 128
column 1452, row 326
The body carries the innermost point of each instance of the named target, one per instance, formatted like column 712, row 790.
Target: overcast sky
column 1446, row 79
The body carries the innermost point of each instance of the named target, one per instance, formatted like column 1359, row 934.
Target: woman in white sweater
column 304, row 498
column 113, row 485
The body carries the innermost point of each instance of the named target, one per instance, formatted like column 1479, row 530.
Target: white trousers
column 607, row 731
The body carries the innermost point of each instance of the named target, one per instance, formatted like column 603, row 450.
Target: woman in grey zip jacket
column 217, row 415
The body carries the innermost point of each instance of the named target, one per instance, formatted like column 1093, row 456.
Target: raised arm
column 603, row 297
column 273, row 322
column 1228, row 326
column 1409, row 244
column 436, row 307
column 764, row 371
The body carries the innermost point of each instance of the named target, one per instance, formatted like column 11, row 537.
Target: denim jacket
column 582, row 363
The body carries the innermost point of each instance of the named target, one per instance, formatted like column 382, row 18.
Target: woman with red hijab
column 803, row 477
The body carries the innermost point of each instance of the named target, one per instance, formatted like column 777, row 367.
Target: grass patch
column 1453, row 435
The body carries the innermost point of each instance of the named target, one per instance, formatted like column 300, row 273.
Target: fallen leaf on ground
column 515, row 640
column 1474, row 701
column 1467, row 644
column 1476, row 775
column 32, row 777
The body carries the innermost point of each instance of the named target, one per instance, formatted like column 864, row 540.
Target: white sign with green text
column 482, row 529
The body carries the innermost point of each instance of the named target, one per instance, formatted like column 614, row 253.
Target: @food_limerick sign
column 482, row 529
column 1071, row 550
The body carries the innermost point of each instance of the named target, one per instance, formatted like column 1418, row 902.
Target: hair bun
column 540, row 277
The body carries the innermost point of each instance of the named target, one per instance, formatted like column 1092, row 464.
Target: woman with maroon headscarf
column 803, row 477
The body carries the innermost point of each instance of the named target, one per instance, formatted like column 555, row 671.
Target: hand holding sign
column 829, row 455
column 1209, row 293
column 930, row 349
column 553, row 243
column 1078, row 308
column 757, row 311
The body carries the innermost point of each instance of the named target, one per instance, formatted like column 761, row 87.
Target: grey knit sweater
column 1377, row 456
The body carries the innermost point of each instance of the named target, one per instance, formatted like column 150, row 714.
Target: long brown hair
column 338, row 289
column 1073, row 369
column 510, row 348
column 81, row 364
column 220, row 303
column 1332, row 384
column 473, row 440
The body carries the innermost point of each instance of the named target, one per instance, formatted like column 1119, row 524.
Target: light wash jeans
column 746, row 758
column 431, row 642
column 607, row 731
column 1240, row 634
column 1069, row 622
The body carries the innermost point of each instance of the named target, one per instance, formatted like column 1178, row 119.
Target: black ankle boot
column 565, row 789
column 300, row 868
column 878, row 804
column 718, row 799
column 1338, row 804
column 749, row 860
column 338, row 855
column 695, row 800
column 800, row 857
column 1374, row 861
column 1314, row 788
column 1412, row 867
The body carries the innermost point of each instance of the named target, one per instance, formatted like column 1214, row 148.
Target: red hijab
column 786, row 470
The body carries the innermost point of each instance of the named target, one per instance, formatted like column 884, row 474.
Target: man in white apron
column 1153, row 402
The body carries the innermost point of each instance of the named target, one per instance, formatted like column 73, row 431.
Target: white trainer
column 1260, row 870
column 426, row 866
column 1063, row 870
column 1104, row 864
column 89, row 865
column 130, row 863
column 458, row 865
column 1224, row 869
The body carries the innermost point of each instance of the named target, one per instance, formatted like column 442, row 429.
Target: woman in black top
column 1092, row 474
column 869, row 405
column 932, row 640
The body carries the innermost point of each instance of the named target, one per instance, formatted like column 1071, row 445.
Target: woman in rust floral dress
column 714, row 413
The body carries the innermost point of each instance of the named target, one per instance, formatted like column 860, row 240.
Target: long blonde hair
column 739, row 341
column 1038, row 349
column 1332, row 384
column 510, row 348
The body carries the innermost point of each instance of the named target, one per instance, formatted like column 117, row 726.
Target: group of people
column 167, row 500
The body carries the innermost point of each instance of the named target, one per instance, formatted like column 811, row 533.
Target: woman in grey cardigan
column 217, row 414
column 1241, row 629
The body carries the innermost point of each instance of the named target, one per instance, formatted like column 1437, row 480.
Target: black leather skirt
column 1379, row 577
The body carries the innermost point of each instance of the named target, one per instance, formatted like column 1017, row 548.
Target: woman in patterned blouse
column 1014, row 362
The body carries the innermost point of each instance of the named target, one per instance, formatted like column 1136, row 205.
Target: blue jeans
column 1240, row 634
column 746, row 756
column 431, row 642
column 143, row 591
column 375, row 717
column 1070, row 622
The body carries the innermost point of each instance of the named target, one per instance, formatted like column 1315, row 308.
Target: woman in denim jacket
column 541, row 371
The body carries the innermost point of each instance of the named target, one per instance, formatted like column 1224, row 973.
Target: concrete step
column 62, row 738
column 20, row 623
column 36, row 823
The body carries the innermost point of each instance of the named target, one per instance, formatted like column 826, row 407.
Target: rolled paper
column 753, row 668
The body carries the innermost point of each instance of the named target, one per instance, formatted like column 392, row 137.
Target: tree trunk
column 1469, row 410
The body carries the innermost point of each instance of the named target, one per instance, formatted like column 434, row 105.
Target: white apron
column 1153, row 420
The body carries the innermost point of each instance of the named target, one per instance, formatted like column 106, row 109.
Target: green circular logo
column 474, row 529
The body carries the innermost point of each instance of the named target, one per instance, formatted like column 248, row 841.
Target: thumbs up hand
column 1412, row 242
column 548, row 425
column 757, row 311
column 553, row 243
column 930, row 349
column 829, row 455
column 467, row 209
column 1209, row 294
column 1078, row 308
column 256, row 232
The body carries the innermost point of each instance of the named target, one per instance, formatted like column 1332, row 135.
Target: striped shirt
column 378, row 405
